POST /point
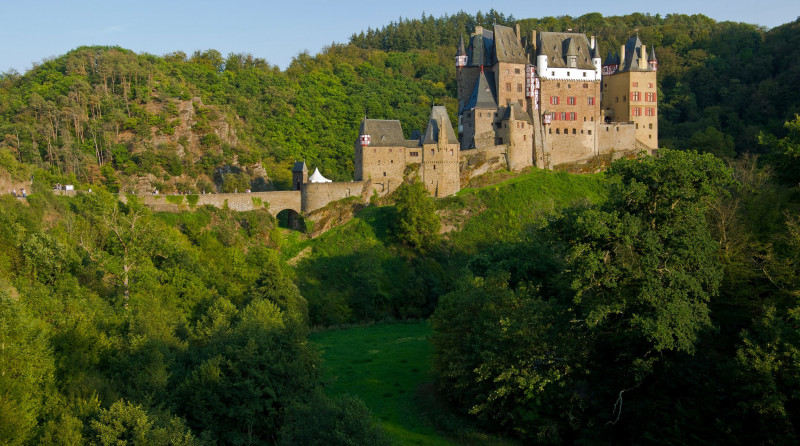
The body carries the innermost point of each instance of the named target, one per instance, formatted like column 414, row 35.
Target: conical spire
column 461, row 50
column 653, row 54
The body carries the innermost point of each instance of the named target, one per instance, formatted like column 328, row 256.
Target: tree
column 324, row 421
column 415, row 222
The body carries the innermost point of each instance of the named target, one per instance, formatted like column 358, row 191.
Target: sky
column 34, row 30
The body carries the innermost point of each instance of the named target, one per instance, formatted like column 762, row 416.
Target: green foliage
column 125, row 423
column 415, row 222
column 785, row 151
column 177, row 200
column 323, row 421
column 192, row 200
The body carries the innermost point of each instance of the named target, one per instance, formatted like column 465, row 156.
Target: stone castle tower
column 382, row 154
column 630, row 94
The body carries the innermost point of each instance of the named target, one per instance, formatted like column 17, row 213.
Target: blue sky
column 277, row 31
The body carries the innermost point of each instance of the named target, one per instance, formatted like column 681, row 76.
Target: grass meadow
column 388, row 365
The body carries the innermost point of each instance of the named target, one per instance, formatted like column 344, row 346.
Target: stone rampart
column 317, row 195
column 274, row 202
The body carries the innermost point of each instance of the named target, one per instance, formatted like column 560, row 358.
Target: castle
column 541, row 100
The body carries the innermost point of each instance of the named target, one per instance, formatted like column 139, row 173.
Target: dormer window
column 572, row 61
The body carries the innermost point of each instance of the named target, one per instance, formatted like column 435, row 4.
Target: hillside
column 107, row 116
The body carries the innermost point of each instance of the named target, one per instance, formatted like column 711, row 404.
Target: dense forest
column 656, row 302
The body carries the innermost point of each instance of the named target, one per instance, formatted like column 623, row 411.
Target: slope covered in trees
column 105, row 115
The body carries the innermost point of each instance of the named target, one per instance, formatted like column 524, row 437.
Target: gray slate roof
column 299, row 166
column 515, row 111
column 439, row 113
column 481, row 49
column 507, row 47
column 483, row 95
column 633, row 53
column 461, row 51
column 556, row 46
column 383, row 132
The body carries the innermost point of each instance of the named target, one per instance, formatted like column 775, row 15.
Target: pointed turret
column 653, row 62
column 483, row 96
column 461, row 55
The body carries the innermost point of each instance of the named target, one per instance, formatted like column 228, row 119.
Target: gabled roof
column 299, row 166
column 515, row 111
column 483, row 95
column 317, row 177
column 556, row 46
column 439, row 114
column 383, row 132
column 507, row 46
column 480, row 51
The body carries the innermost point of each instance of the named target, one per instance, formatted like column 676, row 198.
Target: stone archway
column 291, row 219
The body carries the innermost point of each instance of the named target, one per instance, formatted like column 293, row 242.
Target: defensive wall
column 311, row 197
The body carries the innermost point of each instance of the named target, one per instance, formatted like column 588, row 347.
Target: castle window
column 553, row 100
column 519, row 88
column 573, row 116
column 569, row 85
column 550, row 131
column 616, row 99
column 506, row 70
column 635, row 84
column 585, row 85
column 651, row 126
column 558, row 84
column 570, row 100
column 524, row 137
column 637, row 126
column 650, row 85
column 584, row 75
column 508, row 85
column 499, row 140
column 391, row 161
column 590, row 100
column 413, row 153
column 516, row 70
column 636, row 111
column 635, row 96
column 590, row 132
column 584, row 119
column 581, row 132
column 566, row 131
column 434, row 167
column 592, row 118
column 563, row 116
column 558, row 131
column 567, row 75
column 605, row 85
column 623, row 98
column 451, row 151
column 432, row 152
column 650, row 111
column 574, row 131
column 384, row 174
column 552, row 73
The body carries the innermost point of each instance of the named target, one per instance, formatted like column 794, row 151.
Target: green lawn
column 389, row 367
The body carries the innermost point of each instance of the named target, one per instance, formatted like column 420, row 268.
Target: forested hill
column 105, row 115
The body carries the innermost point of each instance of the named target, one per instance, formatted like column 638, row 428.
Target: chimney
column 622, row 56
column 643, row 58
column 442, row 136
column 517, row 28
column 533, row 41
column 591, row 43
column 478, row 30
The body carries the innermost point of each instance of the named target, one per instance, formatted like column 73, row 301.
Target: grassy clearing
column 389, row 367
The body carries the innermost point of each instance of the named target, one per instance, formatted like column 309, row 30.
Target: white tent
column 317, row 177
